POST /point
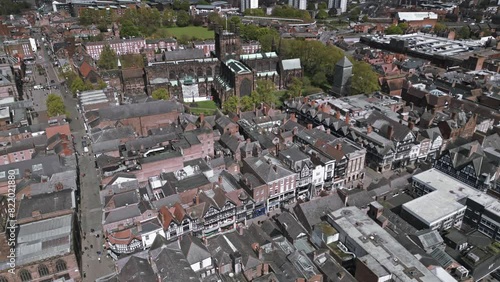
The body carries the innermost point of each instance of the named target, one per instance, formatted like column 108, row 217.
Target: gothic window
column 25, row 275
column 245, row 87
column 217, row 70
column 199, row 72
column 61, row 265
column 172, row 75
column 209, row 71
column 191, row 72
column 43, row 270
column 182, row 75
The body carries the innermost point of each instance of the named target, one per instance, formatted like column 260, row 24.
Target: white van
column 38, row 87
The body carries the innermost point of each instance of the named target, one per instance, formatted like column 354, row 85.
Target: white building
column 249, row 4
column 440, row 203
column 341, row 6
column 298, row 4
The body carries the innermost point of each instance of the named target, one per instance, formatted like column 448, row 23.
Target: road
column 90, row 209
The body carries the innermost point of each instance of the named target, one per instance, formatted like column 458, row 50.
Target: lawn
column 191, row 31
column 205, row 107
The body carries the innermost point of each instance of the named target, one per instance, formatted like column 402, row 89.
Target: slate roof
column 344, row 63
column 172, row 265
column 268, row 169
column 193, row 249
column 311, row 213
column 137, row 269
column 186, row 54
column 139, row 110
column 381, row 122
column 46, row 203
column 291, row 226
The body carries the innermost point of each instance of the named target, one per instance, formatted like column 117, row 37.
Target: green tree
column 464, row 32
column 365, row 18
column 231, row 104
column 322, row 14
column 128, row 29
column 247, row 103
column 364, row 79
column 77, row 85
column 439, row 27
column 160, row 94
column 168, row 18
column 354, row 13
column 183, row 19
column 181, row 5
column 403, row 26
column 108, row 59
column 255, row 12
column 55, row 105
column 295, row 89
column 102, row 84
column 322, row 6
column 393, row 29
column 265, row 92
column 235, row 20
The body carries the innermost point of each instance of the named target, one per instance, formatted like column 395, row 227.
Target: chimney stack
column 347, row 118
column 369, row 129
column 248, row 141
column 411, row 125
column 202, row 117
column 328, row 131
column 293, row 117
column 337, row 114
column 309, row 126
column 339, row 147
column 454, row 116
column 390, row 132
column 220, row 179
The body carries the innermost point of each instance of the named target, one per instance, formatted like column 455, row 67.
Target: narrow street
column 94, row 261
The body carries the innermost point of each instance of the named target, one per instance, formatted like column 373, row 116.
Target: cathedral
column 190, row 76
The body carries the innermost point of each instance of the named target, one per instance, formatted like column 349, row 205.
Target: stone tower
column 342, row 77
column 227, row 43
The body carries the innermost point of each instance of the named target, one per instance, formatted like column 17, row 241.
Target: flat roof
column 443, row 200
column 377, row 248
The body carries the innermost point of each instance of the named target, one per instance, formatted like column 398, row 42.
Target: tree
column 464, row 32
column 181, row 5
column 108, row 59
column 77, row 85
column 102, row 84
column 128, row 29
column 354, row 13
column 322, row 6
column 322, row 14
column 403, row 26
column 183, row 19
column 439, row 27
column 393, row 29
column 255, row 12
column 333, row 12
column 365, row 18
column 364, row 79
column 160, row 94
column 231, row 104
column 55, row 105
column 295, row 89
column 247, row 103
column 265, row 92
column 168, row 18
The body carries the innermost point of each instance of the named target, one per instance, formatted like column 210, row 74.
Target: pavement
column 93, row 265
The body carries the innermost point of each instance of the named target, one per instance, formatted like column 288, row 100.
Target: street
column 90, row 210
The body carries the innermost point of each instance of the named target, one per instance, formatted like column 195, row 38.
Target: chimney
column 347, row 118
column 198, row 198
column 202, row 117
column 265, row 269
column 454, row 116
column 238, row 111
column 295, row 131
column 260, row 252
column 411, row 125
column 390, row 132
column 205, row 241
column 337, row 114
column 36, row 214
column 275, row 168
column 248, row 141
column 293, row 117
column 411, row 106
column 220, row 179
column 339, row 147
column 139, row 226
column 369, row 129
column 309, row 126
column 306, row 100
column 328, row 131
